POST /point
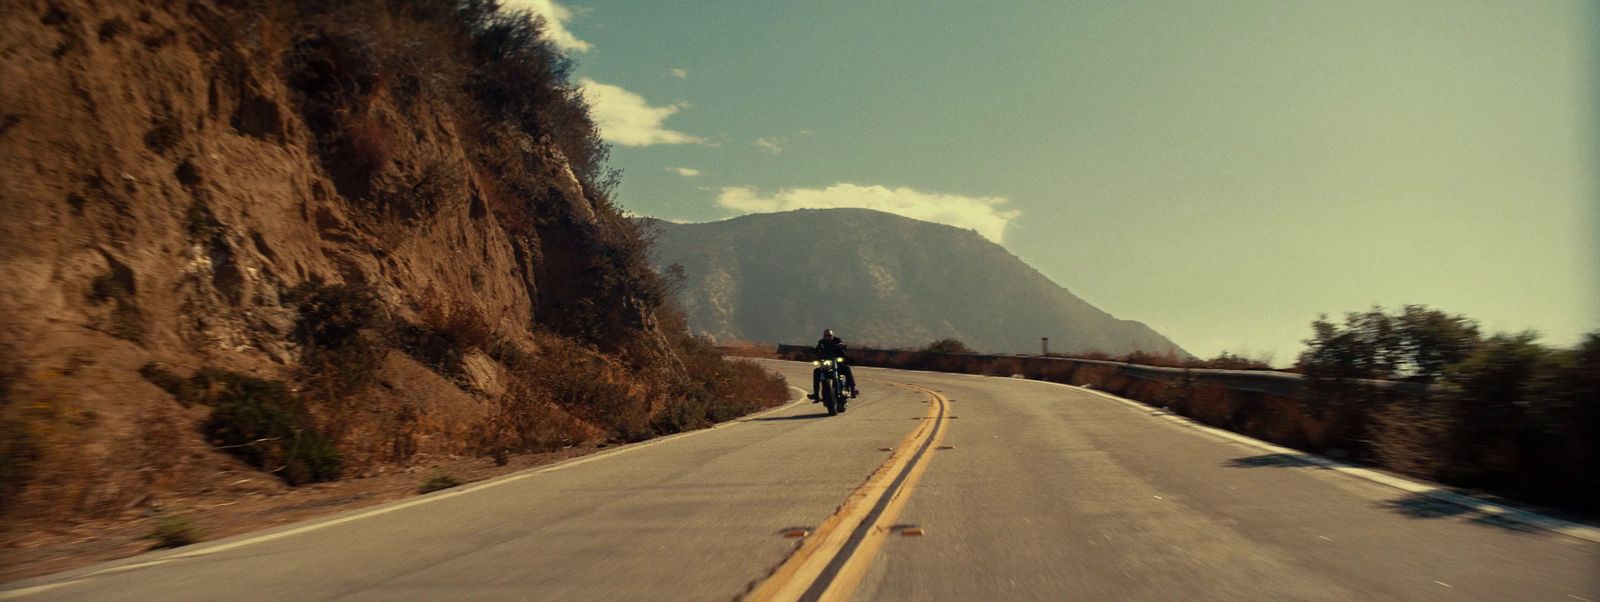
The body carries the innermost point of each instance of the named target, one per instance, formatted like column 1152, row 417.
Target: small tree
column 1431, row 340
column 1416, row 344
column 947, row 345
column 1231, row 361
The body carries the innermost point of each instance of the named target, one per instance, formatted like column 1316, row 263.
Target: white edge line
column 322, row 523
column 1518, row 515
column 1522, row 516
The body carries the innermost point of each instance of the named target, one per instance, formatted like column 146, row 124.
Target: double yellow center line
column 830, row 564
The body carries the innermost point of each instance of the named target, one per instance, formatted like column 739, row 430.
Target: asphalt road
column 1027, row 491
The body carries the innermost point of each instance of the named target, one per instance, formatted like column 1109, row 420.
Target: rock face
column 173, row 172
column 879, row 280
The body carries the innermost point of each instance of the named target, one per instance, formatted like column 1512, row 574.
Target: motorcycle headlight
column 826, row 363
column 840, row 360
column 816, row 362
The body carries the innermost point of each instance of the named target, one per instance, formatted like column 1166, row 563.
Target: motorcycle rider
column 832, row 348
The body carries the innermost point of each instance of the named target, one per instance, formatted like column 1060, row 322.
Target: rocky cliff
column 386, row 223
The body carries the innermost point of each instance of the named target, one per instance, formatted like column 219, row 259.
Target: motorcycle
column 833, row 391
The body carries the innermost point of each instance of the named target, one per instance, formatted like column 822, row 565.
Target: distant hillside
column 880, row 279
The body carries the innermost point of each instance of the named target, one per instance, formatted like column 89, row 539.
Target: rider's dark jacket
column 830, row 349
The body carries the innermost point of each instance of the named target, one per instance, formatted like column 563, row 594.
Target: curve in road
column 1044, row 492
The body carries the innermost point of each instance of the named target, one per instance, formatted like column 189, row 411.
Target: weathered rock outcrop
column 181, row 179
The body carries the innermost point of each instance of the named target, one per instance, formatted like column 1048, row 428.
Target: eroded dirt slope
column 371, row 203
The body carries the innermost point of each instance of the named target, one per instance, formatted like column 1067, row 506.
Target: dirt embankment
column 293, row 243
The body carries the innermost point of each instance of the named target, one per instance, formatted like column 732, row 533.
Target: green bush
column 1503, row 413
column 1504, row 421
column 182, row 389
column 1415, row 344
column 438, row 483
column 947, row 345
column 264, row 424
column 173, row 531
column 341, row 328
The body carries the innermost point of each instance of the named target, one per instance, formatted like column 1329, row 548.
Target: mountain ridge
column 900, row 282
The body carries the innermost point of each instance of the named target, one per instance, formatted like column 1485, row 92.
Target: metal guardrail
column 1261, row 381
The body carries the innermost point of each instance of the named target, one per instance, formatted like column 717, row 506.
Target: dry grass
column 463, row 324
column 526, row 419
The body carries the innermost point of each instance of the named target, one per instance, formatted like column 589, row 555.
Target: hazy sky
column 1222, row 171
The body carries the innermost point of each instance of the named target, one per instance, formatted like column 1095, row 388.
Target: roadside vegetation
column 256, row 420
column 1416, row 390
column 947, row 345
column 1501, row 412
column 173, row 531
column 1223, row 361
column 439, row 483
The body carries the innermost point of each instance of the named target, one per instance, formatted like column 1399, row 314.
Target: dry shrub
column 1282, row 422
column 463, row 324
column 1408, row 437
column 1167, row 358
column 1094, row 374
column 19, row 453
column 342, row 330
column 365, row 141
column 1006, row 367
column 750, row 382
column 524, row 419
column 586, row 384
column 717, row 392
column 1231, row 361
column 947, row 345
column 1148, row 391
column 714, row 388
column 26, row 428
column 1209, row 403
column 435, row 183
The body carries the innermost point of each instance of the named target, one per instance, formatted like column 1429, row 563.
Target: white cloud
column 986, row 215
column 687, row 172
column 627, row 119
column 555, row 17
column 771, row 145
column 680, row 73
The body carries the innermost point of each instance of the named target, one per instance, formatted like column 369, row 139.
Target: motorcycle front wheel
column 830, row 398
